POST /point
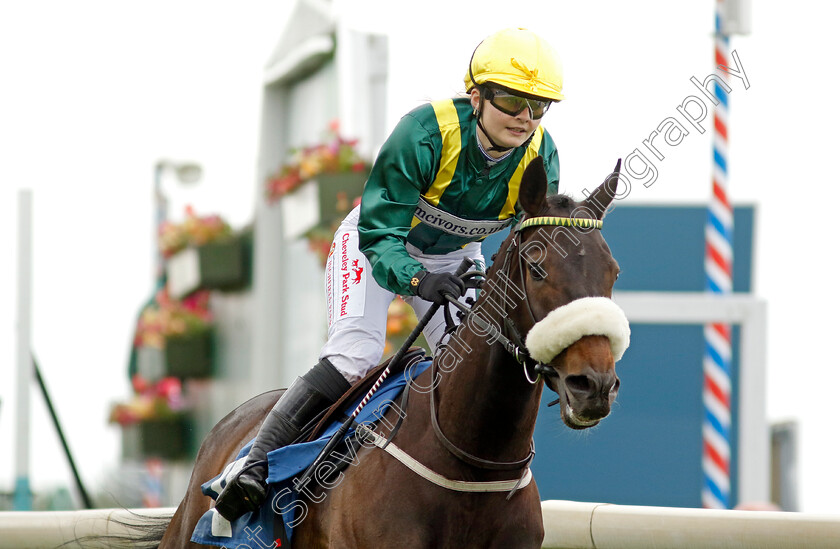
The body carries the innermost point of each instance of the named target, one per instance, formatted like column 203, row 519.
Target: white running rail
column 579, row 525
column 568, row 525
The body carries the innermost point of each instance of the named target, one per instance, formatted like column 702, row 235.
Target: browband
column 584, row 223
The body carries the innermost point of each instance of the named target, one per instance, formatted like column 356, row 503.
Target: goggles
column 515, row 104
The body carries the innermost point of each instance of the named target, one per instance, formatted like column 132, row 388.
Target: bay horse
column 472, row 414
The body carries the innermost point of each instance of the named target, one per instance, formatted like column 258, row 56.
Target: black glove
column 434, row 286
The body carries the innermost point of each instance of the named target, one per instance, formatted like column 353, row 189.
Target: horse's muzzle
column 586, row 381
column 589, row 397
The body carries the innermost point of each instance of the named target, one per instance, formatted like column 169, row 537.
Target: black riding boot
column 319, row 388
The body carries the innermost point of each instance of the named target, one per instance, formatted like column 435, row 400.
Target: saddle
column 359, row 389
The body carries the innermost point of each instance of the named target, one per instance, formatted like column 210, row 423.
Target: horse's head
column 566, row 273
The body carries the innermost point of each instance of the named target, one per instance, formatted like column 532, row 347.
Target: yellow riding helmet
column 519, row 60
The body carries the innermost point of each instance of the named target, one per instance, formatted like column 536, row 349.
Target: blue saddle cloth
column 287, row 502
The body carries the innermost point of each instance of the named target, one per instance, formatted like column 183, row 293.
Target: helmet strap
column 494, row 147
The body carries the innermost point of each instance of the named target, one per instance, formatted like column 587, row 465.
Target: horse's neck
column 485, row 404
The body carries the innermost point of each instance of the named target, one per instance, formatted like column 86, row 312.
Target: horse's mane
column 561, row 201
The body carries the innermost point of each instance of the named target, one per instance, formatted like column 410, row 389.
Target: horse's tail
column 131, row 529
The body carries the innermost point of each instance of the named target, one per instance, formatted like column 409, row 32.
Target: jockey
column 446, row 178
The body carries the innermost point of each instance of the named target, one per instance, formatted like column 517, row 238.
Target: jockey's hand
column 435, row 286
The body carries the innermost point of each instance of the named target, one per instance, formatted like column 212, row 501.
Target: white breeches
column 357, row 306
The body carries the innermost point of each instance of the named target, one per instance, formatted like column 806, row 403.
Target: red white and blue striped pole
column 717, row 360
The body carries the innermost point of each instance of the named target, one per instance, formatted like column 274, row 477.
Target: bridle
column 509, row 337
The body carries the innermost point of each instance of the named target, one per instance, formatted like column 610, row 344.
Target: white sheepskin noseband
column 582, row 317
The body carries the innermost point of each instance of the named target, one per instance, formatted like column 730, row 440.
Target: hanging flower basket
column 336, row 155
column 169, row 438
column 166, row 317
column 222, row 265
column 155, row 421
column 174, row 338
column 204, row 253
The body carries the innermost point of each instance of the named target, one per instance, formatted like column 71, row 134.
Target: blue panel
column 647, row 451
column 663, row 248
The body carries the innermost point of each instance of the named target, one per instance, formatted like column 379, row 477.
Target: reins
column 465, row 456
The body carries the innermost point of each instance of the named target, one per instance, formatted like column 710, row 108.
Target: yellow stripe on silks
column 531, row 153
column 450, row 134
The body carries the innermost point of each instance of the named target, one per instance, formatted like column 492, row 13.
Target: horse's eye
column 537, row 273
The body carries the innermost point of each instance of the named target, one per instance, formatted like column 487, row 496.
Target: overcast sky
column 95, row 92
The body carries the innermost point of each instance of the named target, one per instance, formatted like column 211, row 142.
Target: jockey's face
column 505, row 130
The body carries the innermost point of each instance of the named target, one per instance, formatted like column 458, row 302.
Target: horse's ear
column 598, row 201
column 533, row 188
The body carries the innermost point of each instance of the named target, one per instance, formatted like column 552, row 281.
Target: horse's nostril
column 579, row 384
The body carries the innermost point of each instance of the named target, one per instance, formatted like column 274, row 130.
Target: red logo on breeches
column 357, row 271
